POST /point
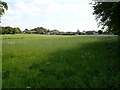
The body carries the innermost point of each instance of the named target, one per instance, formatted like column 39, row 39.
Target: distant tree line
column 10, row 30
column 38, row 30
column 41, row 30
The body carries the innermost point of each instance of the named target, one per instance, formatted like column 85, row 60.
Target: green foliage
column 78, row 32
column 45, row 61
column 55, row 30
column 108, row 15
column 26, row 31
column 10, row 30
column 100, row 31
column 39, row 30
column 3, row 7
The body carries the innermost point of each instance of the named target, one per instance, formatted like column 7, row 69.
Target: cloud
column 53, row 14
column 48, row 6
column 27, row 8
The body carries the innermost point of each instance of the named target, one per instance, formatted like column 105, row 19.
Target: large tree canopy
column 10, row 30
column 3, row 7
column 108, row 15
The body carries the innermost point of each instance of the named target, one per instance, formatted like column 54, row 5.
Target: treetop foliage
column 108, row 15
column 10, row 30
column 3, row 7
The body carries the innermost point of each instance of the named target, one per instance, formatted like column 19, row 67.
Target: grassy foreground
column 43, row 61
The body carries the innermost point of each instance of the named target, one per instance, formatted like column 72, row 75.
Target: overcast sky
column 64, row 15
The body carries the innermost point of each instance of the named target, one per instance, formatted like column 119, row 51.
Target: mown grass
column 45, row 61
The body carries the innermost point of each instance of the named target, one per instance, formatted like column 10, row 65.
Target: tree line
column 17, row 30
column 39, row 30
column 10, row 30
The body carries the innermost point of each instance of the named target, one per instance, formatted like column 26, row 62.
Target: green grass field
column 55, row 61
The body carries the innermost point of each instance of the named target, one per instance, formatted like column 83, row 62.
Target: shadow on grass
column 94, row 65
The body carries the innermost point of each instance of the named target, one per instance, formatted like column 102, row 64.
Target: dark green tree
column 78, row 32
column 55, row 30
column 3, row 7
column 18, row 30
column 0, row 30
column 27, row 31
column 48, row 30
column 108, row 15
column 100, row 31
column 15, row 31
column 10, row 30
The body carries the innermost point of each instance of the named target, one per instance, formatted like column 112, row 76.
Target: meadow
column 56, row 61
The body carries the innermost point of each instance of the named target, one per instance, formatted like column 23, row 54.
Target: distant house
column 91, row 32
column 48, row 33
column 52, row 33
column 95, row 32
column 83, row 33
column 106, row 33
column 60, row 33
column 33, row 32
column 72, row 33
column 69, row 33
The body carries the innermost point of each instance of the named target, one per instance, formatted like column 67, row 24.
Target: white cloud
column 27, row 8
column 50, row 6
column 67, row 16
